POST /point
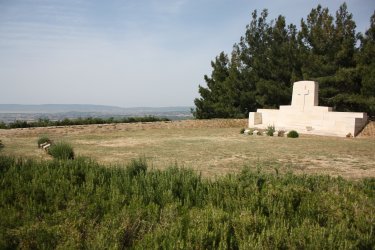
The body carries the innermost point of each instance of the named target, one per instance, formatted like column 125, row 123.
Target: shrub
column 281, row 133
column 42, row 139
column 242, row 131
column 82, row 204
column 293, row 134
column 137, row 166
column 3, row 125
column 61, row 151
column 270, row 130
column 1, row 144
column 251, row 131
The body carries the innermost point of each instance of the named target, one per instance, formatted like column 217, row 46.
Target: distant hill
column 12, row 112
column 59, row 108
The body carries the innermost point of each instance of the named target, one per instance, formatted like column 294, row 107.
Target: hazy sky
column 127, row 53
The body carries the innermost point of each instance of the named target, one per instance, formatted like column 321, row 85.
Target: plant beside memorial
column 270, row 130
column 292, row 134
column 281, row 133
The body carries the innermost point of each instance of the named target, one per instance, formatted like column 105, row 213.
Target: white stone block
column 305, row 116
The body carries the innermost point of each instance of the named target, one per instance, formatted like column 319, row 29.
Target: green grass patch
column 81, row 204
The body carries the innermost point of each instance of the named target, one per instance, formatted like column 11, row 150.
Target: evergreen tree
column 271, row 56
column 212, row 101
column 268, row 53
column 366, row 60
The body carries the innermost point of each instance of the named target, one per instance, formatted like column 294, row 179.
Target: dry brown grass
column 213, row 147
column 368, row 131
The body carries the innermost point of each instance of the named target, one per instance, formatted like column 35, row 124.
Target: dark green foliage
column 272, row 55
column 270, row 130
column 43, row 139
column 79, row 121
column 137, row 167
column 292, row 134
column 3, row 125
column 61, row 151
column 80, row 204
column 242, row 131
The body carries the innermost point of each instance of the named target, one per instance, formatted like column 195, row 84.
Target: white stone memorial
column 305, row 116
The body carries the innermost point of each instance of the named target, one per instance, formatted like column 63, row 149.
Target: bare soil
column 368, row 131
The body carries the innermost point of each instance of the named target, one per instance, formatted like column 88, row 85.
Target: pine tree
column 271, row 56
column 366, row 60
column 211, row 101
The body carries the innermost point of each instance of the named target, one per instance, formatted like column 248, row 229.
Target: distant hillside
column 56, row 108
column 59, row 108
column 13, row 112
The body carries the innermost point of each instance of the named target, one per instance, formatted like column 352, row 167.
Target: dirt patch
column 368, row 131
column 87, row 129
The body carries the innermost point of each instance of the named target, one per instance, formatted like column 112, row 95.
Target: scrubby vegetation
column 43, row 139
column 1, row 145
column 292, row 134
column 61, row 150
column 79, row 121
column 80, row 204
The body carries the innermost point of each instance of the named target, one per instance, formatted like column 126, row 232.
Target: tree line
column 272, row 55
column 44, row 122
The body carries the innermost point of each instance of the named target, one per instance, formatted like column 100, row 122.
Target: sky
column 130, row 53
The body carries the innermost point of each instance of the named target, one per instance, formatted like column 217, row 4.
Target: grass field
column 212, row 147
column 120, row 203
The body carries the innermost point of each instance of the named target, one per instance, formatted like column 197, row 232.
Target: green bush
column 270, row 130
column 242, row 131
column 1, row 144
column 137, row 166
column 61, row 151
column 293, row 134
column 42, row 139
column 81, row 204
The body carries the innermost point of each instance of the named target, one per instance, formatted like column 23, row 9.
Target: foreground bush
column 62, row 151
column 80, row 204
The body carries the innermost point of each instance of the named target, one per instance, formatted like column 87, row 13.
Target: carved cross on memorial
column 305, row 95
